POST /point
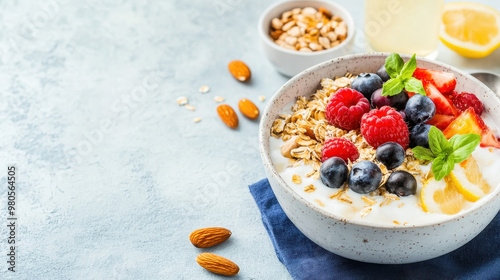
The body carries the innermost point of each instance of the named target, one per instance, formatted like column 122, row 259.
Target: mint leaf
column 463, row 146
column 414, row 85
column 409, row 67
column 392, row 87
column 423, row 153
column 438, row 143
column 393, row 65
column 442, row 166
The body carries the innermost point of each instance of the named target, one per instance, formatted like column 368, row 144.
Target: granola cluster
column 306, row 129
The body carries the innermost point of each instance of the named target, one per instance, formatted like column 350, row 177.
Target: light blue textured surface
column 113, row 174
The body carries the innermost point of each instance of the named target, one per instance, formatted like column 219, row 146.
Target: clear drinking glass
column 403, row 26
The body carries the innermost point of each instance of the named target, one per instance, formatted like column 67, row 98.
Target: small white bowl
column 365, row 241
column 289, row 62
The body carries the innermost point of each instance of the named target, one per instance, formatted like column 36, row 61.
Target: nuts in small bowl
column 296, row 35
column 308, row 29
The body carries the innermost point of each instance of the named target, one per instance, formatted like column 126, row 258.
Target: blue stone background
column 113, row 175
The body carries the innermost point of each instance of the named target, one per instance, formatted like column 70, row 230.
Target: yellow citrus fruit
column 470, row 191
column 470, row 29
column 441, row 197
column 474, row 175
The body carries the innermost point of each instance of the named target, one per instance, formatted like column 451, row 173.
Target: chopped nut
column 218, row 99
column 204, row 89
column 289, row 145
column 296, row 179
column 294, row 31
column 189, row 107
column 309, row 11
column 276, row 23
column 182, row 101
column 305, row 50
column 288, row 26
column 309, row 188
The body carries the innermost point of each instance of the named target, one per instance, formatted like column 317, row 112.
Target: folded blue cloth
column 478, row 259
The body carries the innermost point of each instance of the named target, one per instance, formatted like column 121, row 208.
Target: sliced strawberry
column 441, row 121
column 443, row 105
column 445, row 82
column 469, row 122
column 410, row 94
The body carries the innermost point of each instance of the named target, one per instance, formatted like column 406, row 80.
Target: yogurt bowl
column 364, row 239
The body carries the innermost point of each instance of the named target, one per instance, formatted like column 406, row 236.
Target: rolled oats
column 309, row 188
column 296, row 179
column 204, row 89
column 182, row 100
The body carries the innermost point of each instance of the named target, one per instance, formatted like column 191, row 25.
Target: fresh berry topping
column 390, row 154
column 334, row 172
column 419, row 135
column 443, row 104
column 367, row 83
column 384, row 125
column 469, row 122
column 382, row 73
column 397, row 101
column 365, row 177
column 339, row 147
column 403, row 114
column 445, row 82
column 441, row 121
column 419, row 109
column 345, row 109
column 465, row 100
column 401, row 183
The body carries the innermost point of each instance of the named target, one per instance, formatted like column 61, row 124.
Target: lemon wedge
column 441, row 197
column 470, row 29
column 473, row 174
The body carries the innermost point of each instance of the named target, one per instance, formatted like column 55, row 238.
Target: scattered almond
column 217, row 264
column 208, row 237
column 204, row 89
column 239, row 70
column 228, row 115
column 248, row 109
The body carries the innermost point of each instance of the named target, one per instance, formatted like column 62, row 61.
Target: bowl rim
column 268, row 164
column 265, row 37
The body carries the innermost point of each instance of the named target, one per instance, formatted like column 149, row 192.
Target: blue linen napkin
column 478, row 259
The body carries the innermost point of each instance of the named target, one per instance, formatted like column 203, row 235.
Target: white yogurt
column 405, row 211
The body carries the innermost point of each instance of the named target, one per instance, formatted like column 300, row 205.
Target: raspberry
column 339, row 147
column 345, row 109
column 465, row 100
column 384, row 125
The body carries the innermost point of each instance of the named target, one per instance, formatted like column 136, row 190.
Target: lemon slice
column 474, row 175
column 470, row 29
column 470, row 191
column 441, row 197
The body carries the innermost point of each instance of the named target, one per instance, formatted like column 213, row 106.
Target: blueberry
column 383, row 74
column 419, row 109
column 397, row 101
column 367, row 83
column 365, row 177
column 334, row 172
column 391, row 154
column 419, row 135
column 401, row 183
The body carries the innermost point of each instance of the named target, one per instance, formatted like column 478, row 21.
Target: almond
column 228, row 115
column 288, row 146
column 239, row 70
column 248, row 108
column 217, row 264
column 208, row 237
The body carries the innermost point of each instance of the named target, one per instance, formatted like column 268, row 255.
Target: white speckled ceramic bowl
column 290, row 62
column 362, row 241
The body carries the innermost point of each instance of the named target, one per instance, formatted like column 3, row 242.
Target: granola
column 306, row 129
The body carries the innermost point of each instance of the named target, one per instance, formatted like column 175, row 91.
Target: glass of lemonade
column 403, row 26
